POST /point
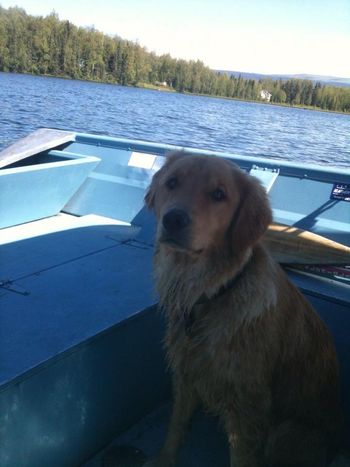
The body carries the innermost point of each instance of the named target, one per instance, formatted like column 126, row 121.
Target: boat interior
column 83, row 379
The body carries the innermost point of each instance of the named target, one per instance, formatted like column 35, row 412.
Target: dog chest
column 224, row 367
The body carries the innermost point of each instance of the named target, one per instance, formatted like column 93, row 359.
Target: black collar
column 189, row 316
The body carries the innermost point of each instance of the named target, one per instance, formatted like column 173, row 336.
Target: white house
column 265, row 95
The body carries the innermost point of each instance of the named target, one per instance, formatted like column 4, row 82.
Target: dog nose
column 176, row 220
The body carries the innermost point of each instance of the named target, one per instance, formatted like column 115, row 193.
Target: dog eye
column 218, row 195
column 172, row 183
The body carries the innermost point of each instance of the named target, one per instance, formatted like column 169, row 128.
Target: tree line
column 50, row 46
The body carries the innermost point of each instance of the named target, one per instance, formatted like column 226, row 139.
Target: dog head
column 204, row 203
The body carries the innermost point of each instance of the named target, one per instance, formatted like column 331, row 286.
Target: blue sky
column 263, row 36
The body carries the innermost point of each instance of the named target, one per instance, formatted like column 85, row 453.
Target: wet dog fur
column 241, row 340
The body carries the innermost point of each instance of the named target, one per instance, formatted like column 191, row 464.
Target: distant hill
column 329, row 80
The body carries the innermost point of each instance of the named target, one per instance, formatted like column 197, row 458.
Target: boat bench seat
column 267, row 177
column 116, row 187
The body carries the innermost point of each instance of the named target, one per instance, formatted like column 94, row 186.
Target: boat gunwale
column 316, row 172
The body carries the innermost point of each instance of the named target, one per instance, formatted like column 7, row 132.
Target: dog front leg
column 243, row 449
column 185, row 403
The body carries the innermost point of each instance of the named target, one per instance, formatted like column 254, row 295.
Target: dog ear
column 252, row 216
column 151, row 192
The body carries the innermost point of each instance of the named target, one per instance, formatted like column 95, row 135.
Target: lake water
column 30, row 102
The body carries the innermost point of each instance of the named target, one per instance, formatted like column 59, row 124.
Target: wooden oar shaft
column 296, row 246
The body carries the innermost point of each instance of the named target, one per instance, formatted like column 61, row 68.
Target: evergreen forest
column 50, row 46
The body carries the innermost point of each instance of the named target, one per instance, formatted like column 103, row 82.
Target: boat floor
column 205, row 445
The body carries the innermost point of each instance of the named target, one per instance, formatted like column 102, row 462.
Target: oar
column 291, row 245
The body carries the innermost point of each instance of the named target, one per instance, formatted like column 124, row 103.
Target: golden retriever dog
column 241, row 340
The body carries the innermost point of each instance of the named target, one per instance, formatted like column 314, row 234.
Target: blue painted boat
column 81, row 358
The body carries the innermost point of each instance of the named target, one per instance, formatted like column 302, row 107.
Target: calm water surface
column 30, row 102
